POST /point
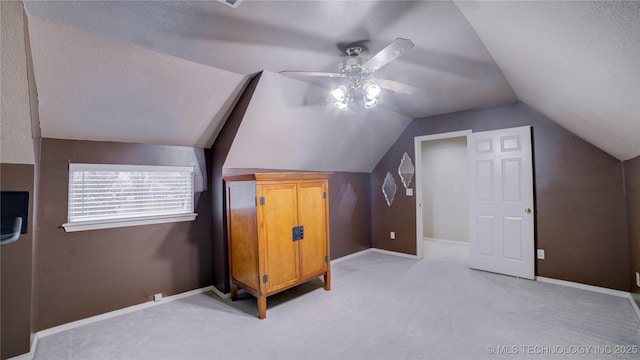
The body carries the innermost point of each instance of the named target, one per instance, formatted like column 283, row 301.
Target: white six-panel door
column 501, row 193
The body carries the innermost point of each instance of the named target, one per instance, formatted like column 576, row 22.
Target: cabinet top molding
column 269, row 176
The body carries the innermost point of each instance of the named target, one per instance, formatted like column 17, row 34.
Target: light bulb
column 371, row 91
column 338, row 94
column 341, row 105
column 368, row 104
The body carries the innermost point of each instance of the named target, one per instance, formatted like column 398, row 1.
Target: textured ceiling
column 449, row 62
column 16, row 145
column 92, row 88
column 563, row 59
column 295, row 136
column 578, row 63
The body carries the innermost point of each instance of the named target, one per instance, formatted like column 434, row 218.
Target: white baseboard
column 366, row 251
column 350, row 256
column 111, row 314
column 381, row 251
column 455, row 242
column 634, row 305
column 598, row 289
column 108, row 315
column 220, row 294
column 576, row 285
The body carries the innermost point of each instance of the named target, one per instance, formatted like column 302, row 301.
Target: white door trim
column 418, row 177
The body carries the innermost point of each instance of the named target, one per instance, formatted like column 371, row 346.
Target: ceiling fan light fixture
column 357, row 72
column 342, row 105
column 339, row 94
column 370, row 103
column 371, row 91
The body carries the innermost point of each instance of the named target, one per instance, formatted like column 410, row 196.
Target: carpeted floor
column 380, row 307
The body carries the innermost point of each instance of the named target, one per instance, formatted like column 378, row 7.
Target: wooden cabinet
column 278, row 232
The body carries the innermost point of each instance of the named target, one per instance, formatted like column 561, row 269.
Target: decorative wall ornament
column 406, row 170
column 389, row 188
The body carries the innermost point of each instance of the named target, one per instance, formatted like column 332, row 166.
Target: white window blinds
column 99, row 193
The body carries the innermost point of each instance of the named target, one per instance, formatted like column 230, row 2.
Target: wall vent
column 233, row 3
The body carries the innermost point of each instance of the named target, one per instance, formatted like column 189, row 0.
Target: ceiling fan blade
column 310, row 73
column 388, row 54
column 395, row 86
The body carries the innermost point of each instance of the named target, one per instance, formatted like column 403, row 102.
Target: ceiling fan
column 358, row 74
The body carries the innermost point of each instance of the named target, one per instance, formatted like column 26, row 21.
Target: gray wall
column 86, row 273
column 16, row 269
column 349, row 213
column 216, row 157
column 18, row 171
column 580, row 202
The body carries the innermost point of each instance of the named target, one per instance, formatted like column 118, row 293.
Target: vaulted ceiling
column 169, row 72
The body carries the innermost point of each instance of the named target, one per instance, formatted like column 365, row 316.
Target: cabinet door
column 278, row 217
column 312, row 215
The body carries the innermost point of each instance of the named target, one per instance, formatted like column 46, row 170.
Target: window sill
column 115, row 223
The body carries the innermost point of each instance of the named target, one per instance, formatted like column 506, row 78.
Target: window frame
column 129, row 220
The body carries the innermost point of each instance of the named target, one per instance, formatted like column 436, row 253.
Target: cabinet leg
column 234, row 292
column 327, row 280
column 262, row 307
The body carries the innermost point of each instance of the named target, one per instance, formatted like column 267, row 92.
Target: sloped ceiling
column 92, row 88
column 164, row 67
column 576, row 62
column 16, row 145
column 294, row 136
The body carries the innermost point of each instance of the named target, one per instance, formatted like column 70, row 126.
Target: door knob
column 527, row 210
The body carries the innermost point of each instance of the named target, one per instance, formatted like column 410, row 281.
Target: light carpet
column 380, row 307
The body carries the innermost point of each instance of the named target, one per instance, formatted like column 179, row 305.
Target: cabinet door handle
column 298, row 232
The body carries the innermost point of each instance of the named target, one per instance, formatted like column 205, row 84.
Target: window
column 106, row 196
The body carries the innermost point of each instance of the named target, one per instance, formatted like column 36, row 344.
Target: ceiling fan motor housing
column 352, row 69
column 353, row 51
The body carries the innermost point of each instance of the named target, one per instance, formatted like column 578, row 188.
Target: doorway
column 442, row 188
column 500, row 210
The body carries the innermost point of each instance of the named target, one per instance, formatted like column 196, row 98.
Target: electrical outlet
column 392, row 235
column 540, row 254
column 157, row 297
column 637, row 279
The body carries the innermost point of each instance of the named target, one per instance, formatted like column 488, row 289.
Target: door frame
column 418, row 140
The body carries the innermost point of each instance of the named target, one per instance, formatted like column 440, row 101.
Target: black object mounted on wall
column 14, row 215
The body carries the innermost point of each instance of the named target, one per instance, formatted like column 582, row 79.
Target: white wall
column 15, row 126
column 285, row 127
column 94, row 88
column 445, row 189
